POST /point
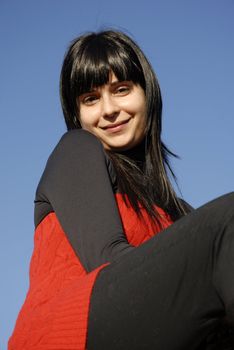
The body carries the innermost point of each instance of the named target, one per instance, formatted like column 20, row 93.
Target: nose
column 110, row 107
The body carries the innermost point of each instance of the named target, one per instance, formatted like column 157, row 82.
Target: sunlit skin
column 115, row 113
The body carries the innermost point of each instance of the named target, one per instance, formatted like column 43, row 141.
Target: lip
column 115, row 127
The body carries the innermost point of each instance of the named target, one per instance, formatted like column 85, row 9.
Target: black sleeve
column 76, row 184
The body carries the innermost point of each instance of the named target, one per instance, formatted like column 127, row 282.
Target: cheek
column 141, row 110
column 142, row 116
column 87, row 120
column 139, row 103
column 83, row 124
column 135, row 106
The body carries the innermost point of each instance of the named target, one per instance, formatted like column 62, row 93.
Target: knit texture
column 54, row 315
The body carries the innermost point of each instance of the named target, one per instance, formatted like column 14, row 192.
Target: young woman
column 95, row 283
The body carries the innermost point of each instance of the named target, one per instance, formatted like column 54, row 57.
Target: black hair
column 87, row 64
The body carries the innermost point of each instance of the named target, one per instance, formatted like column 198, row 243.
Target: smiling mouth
column 116, row 127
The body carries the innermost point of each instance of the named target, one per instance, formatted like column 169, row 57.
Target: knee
column 226, row 200
column 220, row 208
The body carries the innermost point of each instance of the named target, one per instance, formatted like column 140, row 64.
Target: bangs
column 98, row 58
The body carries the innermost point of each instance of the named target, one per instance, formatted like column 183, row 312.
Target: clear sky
column 190, row 45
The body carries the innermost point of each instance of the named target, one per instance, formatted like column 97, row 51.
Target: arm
column 76, row 184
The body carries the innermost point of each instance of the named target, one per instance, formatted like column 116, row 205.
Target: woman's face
column 115, row 113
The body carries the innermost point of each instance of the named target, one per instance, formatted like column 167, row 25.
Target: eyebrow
column 119, row 81
column 112, row 84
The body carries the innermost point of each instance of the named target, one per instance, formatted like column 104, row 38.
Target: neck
column 137, row 154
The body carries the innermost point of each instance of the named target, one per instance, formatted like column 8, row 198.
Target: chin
column 123, row 145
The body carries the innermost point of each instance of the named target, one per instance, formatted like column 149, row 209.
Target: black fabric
column 174, row 291
column 76, row 185
column 170, row 293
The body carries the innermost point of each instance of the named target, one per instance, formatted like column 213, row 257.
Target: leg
column 172, row 291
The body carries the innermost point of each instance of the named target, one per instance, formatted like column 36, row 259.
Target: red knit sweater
column 55, row 312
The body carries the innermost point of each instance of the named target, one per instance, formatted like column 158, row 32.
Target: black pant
column 171, row 292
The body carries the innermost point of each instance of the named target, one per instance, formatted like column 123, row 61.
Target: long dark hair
column 87, row 64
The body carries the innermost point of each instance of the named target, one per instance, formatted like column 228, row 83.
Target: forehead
column 111, row 81
column 97, row 70
column 112, row 77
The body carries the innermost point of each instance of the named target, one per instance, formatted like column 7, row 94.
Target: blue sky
column 190, row 45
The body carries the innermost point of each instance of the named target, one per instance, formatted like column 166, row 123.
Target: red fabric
column 55, row 312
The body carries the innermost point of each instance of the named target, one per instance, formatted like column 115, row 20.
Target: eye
column 88, row 100
column 123, row 90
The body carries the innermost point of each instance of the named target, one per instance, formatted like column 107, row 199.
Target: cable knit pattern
column 55, row 313
column 139, row 231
